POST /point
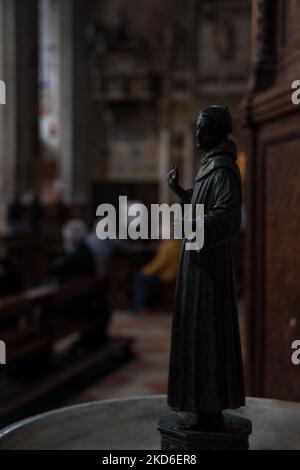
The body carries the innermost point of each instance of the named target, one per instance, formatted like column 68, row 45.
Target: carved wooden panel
column 288, row 38
column 281, row 323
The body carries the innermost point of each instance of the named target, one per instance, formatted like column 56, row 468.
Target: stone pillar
column 67, row 92
column 2, row 118
column 74, row 167
column 82, row 105
column 8, row 112
column 27, row 94
column 19, row 116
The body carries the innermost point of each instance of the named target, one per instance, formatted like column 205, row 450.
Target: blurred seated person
column 10, row 276
column 15, row 215
column 77, row 261
column 10, row 281
column 85, row 254
column 162, row 270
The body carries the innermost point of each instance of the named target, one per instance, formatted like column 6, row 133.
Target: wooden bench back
column 28, row 321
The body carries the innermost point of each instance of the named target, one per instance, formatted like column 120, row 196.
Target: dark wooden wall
column 273, row 202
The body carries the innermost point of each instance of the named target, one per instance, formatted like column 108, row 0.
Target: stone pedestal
column 235, row 437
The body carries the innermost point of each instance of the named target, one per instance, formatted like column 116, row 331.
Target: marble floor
column 147, row 373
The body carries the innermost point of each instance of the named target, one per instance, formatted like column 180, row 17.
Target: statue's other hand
column 173, row 177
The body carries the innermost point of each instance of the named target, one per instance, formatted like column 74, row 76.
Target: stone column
column 27, row 94
column 2, row 117
column 67, row 93
column 8, row 112
column 19, row 116
column 74, row 167
column 82, row 105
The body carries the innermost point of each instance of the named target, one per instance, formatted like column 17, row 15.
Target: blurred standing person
column 103, row 250
column 162, row 270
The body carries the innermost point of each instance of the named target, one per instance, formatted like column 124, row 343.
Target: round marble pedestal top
column 131, row 424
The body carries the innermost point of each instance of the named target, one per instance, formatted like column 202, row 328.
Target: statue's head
column 214, row 124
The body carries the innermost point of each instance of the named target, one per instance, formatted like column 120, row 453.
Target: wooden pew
column 33, row 255
column 32, row 322
column 21, row 322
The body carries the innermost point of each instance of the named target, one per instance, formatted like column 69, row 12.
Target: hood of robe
column 223, row 155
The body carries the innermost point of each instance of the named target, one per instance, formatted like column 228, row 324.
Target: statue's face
column 204, row 137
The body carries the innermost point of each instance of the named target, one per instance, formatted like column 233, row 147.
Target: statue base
column 234, row 437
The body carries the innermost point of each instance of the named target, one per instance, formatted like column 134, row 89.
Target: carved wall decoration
column 222, row 62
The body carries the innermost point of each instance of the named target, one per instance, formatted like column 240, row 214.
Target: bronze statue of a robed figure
column 206, row 370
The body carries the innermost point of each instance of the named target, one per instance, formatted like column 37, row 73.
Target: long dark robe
column 206, row 371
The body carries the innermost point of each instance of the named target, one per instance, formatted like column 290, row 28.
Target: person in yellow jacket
column 161, row 270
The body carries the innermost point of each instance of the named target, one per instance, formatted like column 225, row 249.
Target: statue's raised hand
column 173, row 178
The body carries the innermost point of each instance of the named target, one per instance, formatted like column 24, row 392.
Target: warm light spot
column 242, row 163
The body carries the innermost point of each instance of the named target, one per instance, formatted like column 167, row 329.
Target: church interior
column 101, row 101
